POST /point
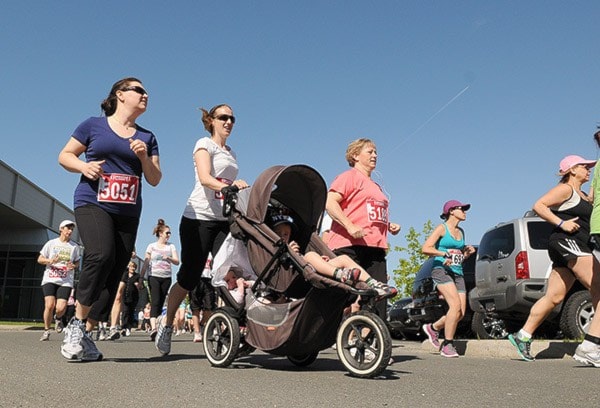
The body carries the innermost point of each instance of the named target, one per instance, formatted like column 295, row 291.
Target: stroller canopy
column 299, row 187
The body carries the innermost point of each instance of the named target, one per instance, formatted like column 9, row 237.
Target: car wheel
column 577, row 314
column 487, row 326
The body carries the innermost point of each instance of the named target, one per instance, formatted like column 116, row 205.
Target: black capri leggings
column 108, row 240
column 373, row 261
column 198, row 239
column 159, row 287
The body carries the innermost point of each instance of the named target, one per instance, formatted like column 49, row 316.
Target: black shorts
column 57, row 291
column 561, row 251
column 203, row 297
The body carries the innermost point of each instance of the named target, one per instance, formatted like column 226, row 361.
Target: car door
column 494, row 267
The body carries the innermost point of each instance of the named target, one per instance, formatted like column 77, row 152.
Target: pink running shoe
column 432, row 335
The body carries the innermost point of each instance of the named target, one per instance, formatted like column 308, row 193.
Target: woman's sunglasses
column 225, row 118
column 137, row 89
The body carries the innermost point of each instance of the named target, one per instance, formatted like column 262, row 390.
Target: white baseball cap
column 65, row 223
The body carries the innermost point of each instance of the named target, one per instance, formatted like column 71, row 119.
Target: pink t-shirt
column 365, row 204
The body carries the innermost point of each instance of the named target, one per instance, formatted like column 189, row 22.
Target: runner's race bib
column 456, row 257
column 218, row 194
column 118, row 188
column 377, row 211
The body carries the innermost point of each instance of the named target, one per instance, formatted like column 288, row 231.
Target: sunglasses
column 459, row 208
column 137, row 89
column 225, row 118
column 168, row 233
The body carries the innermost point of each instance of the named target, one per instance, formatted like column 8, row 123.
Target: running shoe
column 588, row 357
column 523, row 347
column 113, row 334
column 58, row 325
column 153, row 335
column 102, row 334
column 90, row 351
column 448, row 350
column 127, row 332
column 72, row 348
column 432, row 334
column 197, row 337
column 45, row 335
column 163, row 339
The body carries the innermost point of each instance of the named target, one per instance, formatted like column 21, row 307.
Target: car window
column 539, row 232
column 498, row 243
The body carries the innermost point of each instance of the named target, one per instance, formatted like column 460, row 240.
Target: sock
column 337, row 274
column 523, row 335
column 371, row 282
column 592, row 339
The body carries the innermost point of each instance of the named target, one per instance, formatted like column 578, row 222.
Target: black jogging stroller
column 290, row 310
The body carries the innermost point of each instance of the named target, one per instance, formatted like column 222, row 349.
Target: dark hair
column 208, row 116
column 160, row 227
column 109, row 105
column 597, row 137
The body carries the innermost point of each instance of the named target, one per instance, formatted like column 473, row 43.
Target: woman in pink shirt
column 359, row 210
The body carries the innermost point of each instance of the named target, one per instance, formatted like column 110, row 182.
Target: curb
column 540, row 349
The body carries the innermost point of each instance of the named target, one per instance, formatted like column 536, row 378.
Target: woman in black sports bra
column 569, row 209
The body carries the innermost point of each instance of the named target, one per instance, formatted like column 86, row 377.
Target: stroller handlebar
column 229, row 198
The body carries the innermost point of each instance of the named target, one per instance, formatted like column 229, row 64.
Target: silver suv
column 511, row 273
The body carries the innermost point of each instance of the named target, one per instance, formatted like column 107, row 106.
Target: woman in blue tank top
column 447, row 245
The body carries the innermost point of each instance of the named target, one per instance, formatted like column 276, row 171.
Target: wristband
column 560, row 223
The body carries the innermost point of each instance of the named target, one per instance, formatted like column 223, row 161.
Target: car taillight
column 522, row 265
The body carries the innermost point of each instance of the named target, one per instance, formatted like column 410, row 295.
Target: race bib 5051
column 118, row 188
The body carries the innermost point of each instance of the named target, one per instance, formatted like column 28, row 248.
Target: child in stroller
column 341, row 268
column 237, row 284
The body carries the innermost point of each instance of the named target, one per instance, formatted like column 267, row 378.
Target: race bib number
column 218, row 194
column 377, row 211
column 118, row 188
column 456, row 257
column 58, row 272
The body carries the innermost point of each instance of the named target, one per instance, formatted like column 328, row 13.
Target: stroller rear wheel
column 221, row 339
column 303, row 361
column 364, row 344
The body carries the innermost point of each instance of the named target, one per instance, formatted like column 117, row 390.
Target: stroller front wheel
column 221, row 339
column 364, row 344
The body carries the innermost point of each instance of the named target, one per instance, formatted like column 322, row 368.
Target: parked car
column 399, row 323
column 428, row 305
column 511, row 273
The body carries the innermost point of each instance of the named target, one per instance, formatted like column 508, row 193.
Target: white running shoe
column 72, row 348
column 588, row 357
column 45, row 335
column 163, row 339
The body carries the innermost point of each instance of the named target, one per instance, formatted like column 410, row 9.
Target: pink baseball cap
column 572, row 160
column 453, row 204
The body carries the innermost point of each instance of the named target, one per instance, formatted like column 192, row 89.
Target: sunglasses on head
column 137, row 89
column 225, row 118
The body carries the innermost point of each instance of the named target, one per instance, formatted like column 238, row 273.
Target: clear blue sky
column 472, row 100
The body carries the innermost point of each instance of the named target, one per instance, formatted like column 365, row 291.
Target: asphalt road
column 34, row 374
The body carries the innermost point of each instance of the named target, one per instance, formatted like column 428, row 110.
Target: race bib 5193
column 377, row 211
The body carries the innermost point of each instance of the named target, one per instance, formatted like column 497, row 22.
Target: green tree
column 409, row 264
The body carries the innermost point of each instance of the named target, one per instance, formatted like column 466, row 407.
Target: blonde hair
column 355, row 147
